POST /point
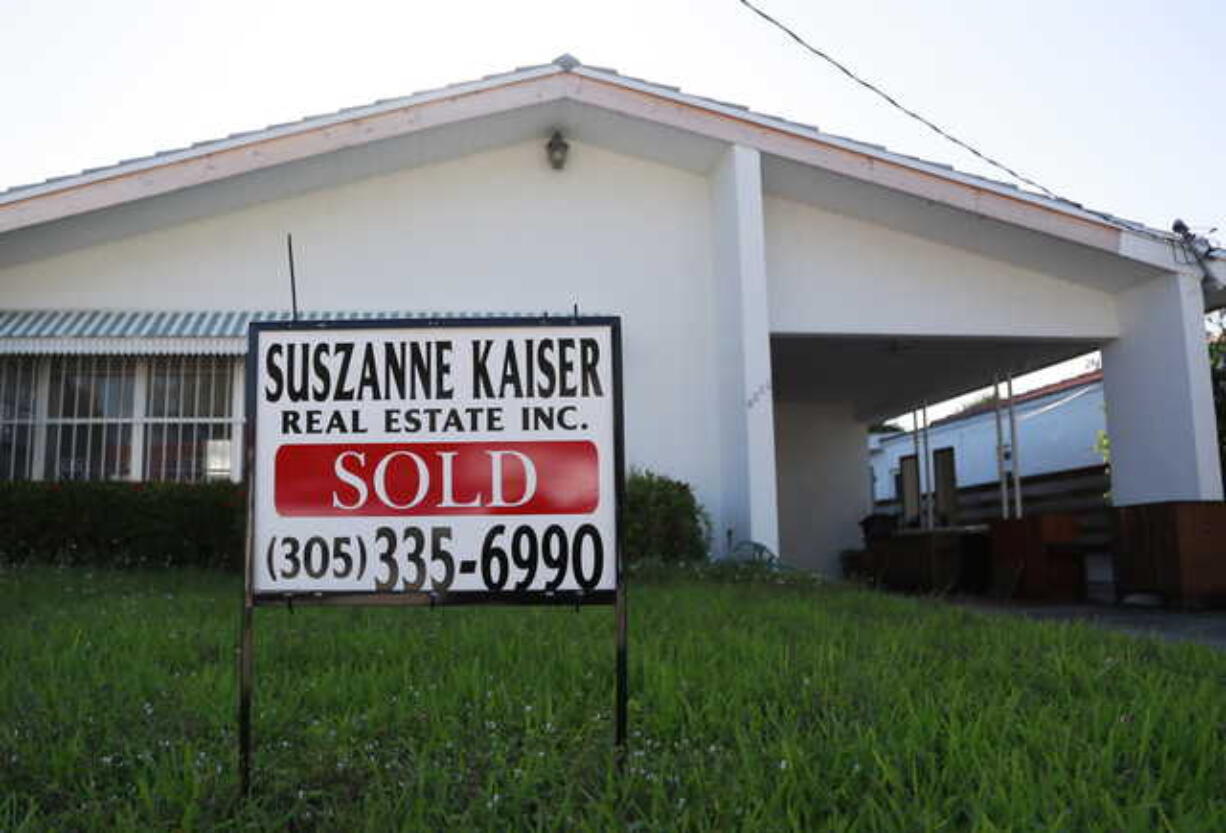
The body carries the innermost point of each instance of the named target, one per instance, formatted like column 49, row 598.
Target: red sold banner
column 437, row 479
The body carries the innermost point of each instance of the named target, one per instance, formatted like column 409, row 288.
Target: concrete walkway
column 1205, row 627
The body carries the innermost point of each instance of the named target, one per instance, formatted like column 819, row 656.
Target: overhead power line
column 893, row 102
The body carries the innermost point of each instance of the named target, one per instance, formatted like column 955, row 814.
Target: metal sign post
column 433, row 462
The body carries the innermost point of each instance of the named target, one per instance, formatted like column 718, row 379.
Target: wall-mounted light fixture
column 556, row 149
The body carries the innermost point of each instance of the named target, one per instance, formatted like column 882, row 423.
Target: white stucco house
column 780, row 288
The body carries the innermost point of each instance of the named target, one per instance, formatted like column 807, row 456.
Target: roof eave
column 248, row 137
column 247, row 152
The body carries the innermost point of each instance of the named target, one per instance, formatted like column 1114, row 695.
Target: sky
column 1116, row 104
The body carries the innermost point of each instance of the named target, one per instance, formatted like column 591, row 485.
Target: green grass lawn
column 756, row 705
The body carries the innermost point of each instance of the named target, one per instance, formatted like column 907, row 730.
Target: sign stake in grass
column 433, row 462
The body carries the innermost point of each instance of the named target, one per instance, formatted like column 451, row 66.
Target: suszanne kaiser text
column 403, row 370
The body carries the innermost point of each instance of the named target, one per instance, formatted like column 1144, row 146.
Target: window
column 18, row 409
column 89, row 418
column 188, row 419
column 117, row 418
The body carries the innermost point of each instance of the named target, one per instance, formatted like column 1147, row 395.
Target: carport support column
column 1160, row 418
column 747, row 422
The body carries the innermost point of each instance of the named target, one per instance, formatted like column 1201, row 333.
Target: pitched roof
column 271, row 131
column 841, row 154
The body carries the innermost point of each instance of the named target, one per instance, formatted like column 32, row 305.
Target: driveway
column 1205, row 627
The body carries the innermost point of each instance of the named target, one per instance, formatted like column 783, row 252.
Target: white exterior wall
column 746, row 415
column 832, row 274
column 823, row 480
column 1055, row 433
column 1160, row 417
column 499, row 231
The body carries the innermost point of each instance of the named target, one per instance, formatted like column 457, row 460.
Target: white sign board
column 472, row 460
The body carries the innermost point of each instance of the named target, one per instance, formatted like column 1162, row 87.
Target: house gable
column 588, row 104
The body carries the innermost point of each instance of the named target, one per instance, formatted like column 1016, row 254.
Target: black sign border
column 573, row 598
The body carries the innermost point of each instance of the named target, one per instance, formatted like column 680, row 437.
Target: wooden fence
column 1080, row 492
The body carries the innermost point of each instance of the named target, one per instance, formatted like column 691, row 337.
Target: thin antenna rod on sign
column 293, row 281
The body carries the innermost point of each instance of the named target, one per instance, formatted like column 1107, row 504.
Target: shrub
column 663, row 520
column 123, row 524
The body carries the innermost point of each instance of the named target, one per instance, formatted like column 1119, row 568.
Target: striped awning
column 159, row 332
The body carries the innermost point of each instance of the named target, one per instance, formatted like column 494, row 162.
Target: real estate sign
column 456, row 460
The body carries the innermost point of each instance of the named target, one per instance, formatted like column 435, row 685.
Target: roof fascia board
column 809, row 132
column 292, row 128
column 814, row 148
column 1168, row 254
column 287, row 143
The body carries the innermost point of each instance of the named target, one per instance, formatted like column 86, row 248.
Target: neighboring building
column 1058, row 427
column 781, row 288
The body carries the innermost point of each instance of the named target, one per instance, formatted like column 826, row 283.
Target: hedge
column 202, row 524
column 123, row 524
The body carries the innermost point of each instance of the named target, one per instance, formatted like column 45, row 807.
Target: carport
column 881, row 299
column 828, row 389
